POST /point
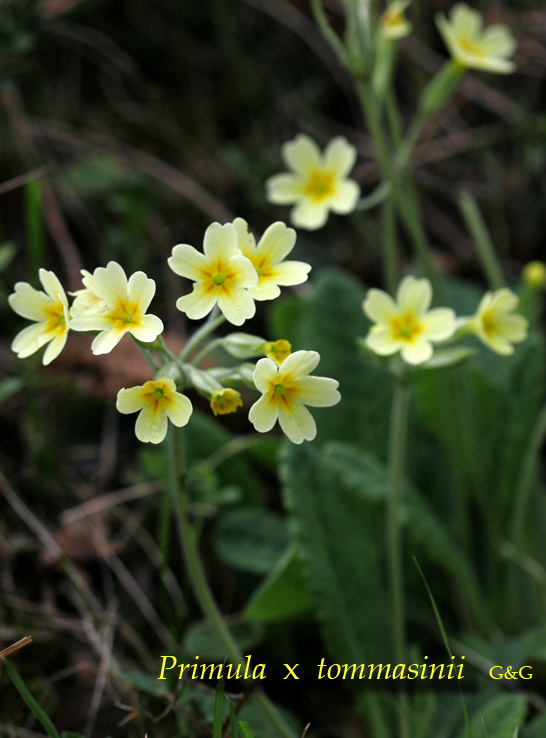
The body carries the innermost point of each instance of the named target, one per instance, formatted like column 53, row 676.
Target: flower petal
column 29, row 302
column 106, row 341
column 345, row 198
column 199, row 302
column 339, row 156
column 220, row 242
column 237, row 305
column 54, row 348
column 414, row 295
column 497, row 40
column 380, row 341
column 466, row 21
column 297, row 423
column 379, row 306
column 265, row 372
column 141, row 289
column 417, row 351
column 290, row 273
column 110, row 282
column 266, row 289
column 30, row 339
column 186, row 261
column 52, row 286
column 308, row 214
column 302, row 154
column 130, row 400
column 503, row 301
column 318, row 391
column 299, row 364
column 149, row 329
column 178, row 408
column 284, row 189
column 512, row 327
column 243, row 270
column 276, row 243
column 151, row 424
column 245, row 240
column 264, row 413
column 439, row 324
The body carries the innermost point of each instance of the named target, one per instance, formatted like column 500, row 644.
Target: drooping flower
column 158, row 402
column 120, row 308
column 474, row 47
column 268, row 258
column 221, row 275
column 277, row 350
column 496, row 324
column 534, row 275
column 225, row 401
column 318, row 182
column 48, row 310
column 393, row 24
column 286, row 390
column 407, row 325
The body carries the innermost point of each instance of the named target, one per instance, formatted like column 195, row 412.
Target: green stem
column 397, row 453
column 199, row 582
column 146, row 354
column 526, row 477
column 482, row 240
column 213, row 321
column 390, row 247
column 407, row 206
column 206, row 351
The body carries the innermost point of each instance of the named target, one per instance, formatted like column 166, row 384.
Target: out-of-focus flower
column 120, row 308
column 474, row 47
column 268, row 258
column 286, row 390
column 221, row 275
column 158, row 402
column 534, row 275
column 393, row 24
column 407, row 325
column 225, row 401
column 48, row 310
column 318, row 182
column 277, row 350
column 496, row 324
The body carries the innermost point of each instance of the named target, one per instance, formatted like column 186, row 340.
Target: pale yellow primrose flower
column 87, row 300
column 393, row 24
column 286, row 390
column 48, row 310
column 268, row 258
column 495, row 323
column 407, row 325
column 474, row 47
column 158, row 402
column 318, row 183
column 225, row 401
column 120, row 308
column 222, row 276
column 277, row 350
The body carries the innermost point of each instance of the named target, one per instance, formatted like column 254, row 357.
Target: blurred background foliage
column 127, row 127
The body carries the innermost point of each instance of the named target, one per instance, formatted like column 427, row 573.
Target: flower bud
column 225, row 401
column 243, row 345
column 277, row 350
column 534, row 275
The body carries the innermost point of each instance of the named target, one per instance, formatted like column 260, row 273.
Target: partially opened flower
column 48, row 310
column 158, row 402
column 286, row 390
column 87, row 300
column 474, row 47
column 225, row 401
column 407, row 325
column 393, row 24
column 221, row 275
column 268, row 258
column 318, row 182
column 496, row 324
column 120, row 308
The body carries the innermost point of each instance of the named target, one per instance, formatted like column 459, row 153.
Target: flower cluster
column 407, row 326
column 229, row 275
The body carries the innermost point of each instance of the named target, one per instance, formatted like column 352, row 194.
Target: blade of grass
column 233, row 722
column 29, row 700
column 35, row 223
column 218, row 710
column 445, row 640
column 245, row 729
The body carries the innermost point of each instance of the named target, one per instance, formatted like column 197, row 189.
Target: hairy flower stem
column 214, row 320
column 198, row 580
column 397, row 453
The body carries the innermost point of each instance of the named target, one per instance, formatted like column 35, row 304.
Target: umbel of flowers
column 229, row 276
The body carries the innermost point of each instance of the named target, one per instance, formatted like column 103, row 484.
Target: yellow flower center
column 218, row 279
column 124, row 314
column 319, row 186
column 471, row 47
column 405, row 328
column 55, row 320
column 279, row 389
column 158, row 393
column 488, row 323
